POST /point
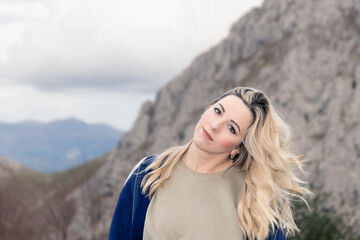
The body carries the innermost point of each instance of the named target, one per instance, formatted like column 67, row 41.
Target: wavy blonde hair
column 269, row 165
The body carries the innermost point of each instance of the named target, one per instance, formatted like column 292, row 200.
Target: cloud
column 111, row 45
column 12, row 11
column 98, row 60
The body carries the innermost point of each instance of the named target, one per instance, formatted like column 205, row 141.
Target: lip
column 207, row 135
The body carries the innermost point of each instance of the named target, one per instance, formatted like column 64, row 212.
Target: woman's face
column 222, row 126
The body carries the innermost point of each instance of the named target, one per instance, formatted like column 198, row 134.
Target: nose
column 215, row 125
column 212, row 127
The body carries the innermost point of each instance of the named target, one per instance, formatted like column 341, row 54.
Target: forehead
column 236, row 109
column 234, row 103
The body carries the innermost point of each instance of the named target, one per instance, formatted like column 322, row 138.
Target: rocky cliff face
column 305, row 54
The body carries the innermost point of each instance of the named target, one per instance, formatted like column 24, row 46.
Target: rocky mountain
column 9, row 168
column 306, row 55
column 56, row 146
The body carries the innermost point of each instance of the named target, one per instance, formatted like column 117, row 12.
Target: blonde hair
column 269, row 167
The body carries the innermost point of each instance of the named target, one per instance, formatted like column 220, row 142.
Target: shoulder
column 147, row 161
column 141, row 165
column 144, row 163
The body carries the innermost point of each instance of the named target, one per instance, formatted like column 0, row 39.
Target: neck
column 205, row 162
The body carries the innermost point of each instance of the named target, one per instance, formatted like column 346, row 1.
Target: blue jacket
column 129, row 216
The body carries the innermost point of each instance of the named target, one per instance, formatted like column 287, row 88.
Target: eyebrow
column 222, row 107
column 236, row 125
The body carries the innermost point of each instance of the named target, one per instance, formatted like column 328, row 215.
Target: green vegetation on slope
column 321, row 222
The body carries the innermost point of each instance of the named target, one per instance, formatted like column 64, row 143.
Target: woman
column 233, row 180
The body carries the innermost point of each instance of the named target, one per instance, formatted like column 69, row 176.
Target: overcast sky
column 99, row 60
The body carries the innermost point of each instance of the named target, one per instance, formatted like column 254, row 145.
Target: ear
column 234, row 152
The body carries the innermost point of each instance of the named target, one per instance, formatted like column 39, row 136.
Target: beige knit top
column 193, row 205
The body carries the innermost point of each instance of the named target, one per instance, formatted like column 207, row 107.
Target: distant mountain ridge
column 58, row 145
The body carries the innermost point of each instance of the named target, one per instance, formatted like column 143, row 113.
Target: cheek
column 203, row 120
column 229, row 143
column 198, row 124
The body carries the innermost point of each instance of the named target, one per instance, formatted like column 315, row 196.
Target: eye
column 232, row 129
column 217, row 111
